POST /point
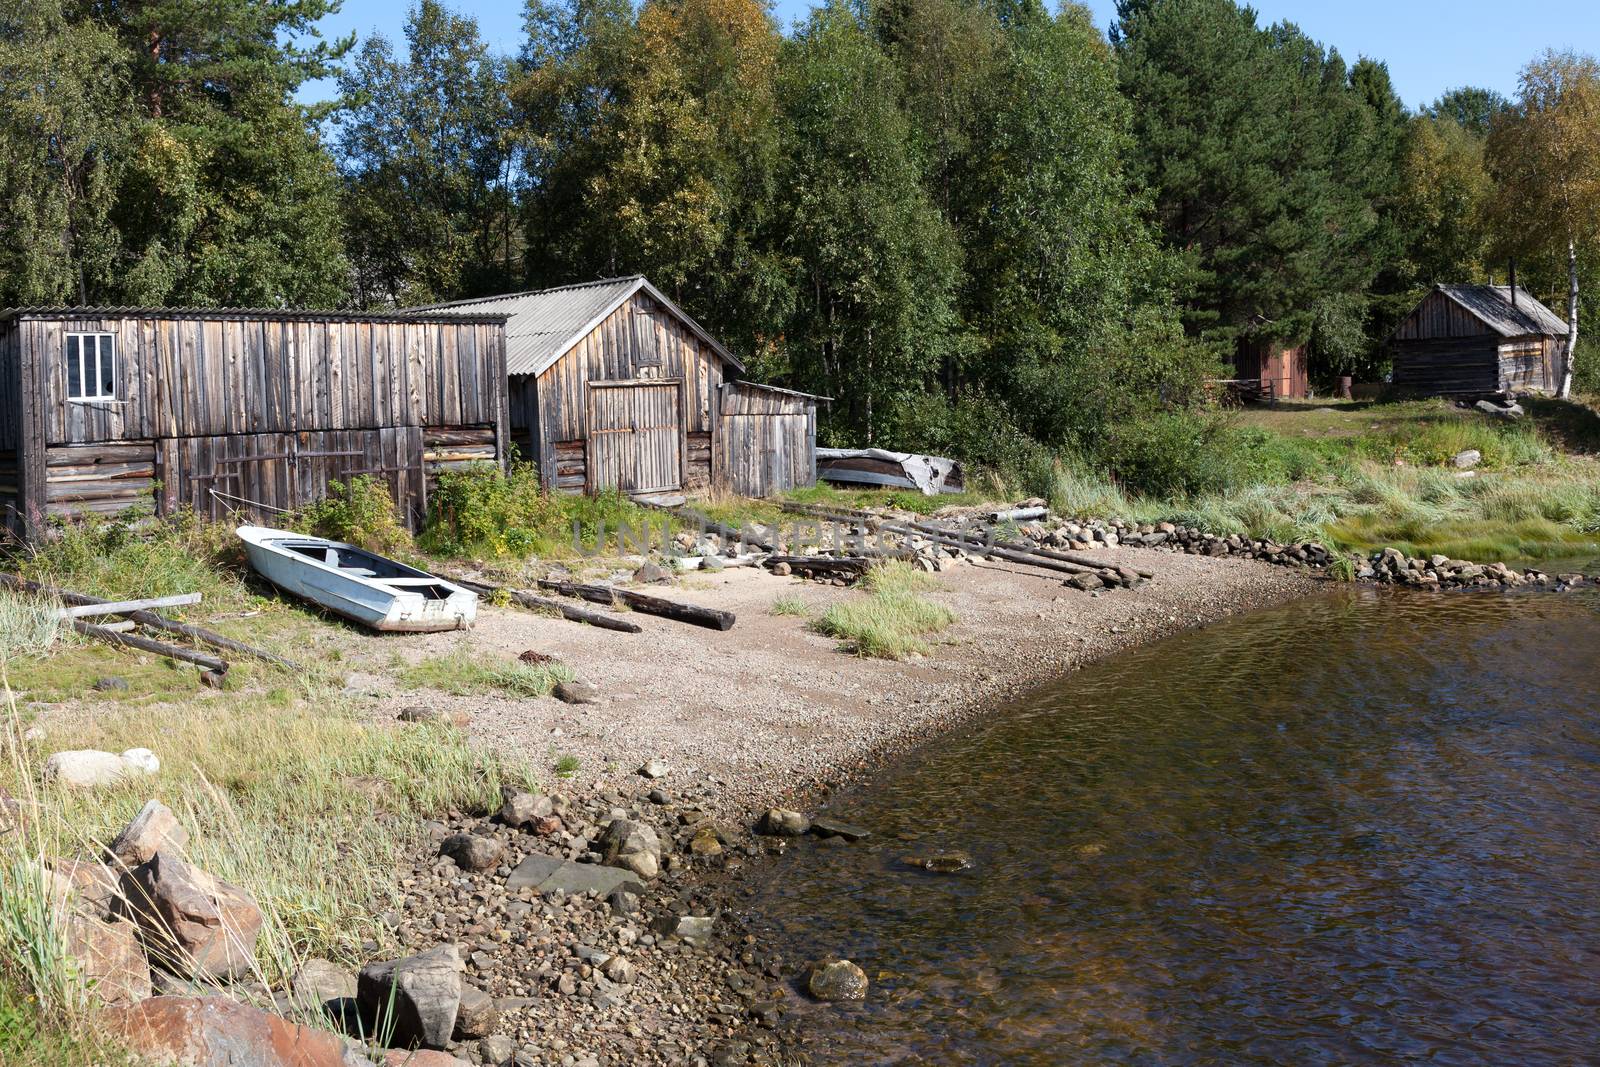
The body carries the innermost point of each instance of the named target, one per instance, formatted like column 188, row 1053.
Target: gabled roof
column 544, row 324
column 1491, row 305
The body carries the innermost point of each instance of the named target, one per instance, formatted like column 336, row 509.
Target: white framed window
column 91, row 366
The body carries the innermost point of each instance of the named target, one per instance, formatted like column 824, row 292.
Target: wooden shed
column 1271, row 370
column 1477, row 340
column 612, row 385
column 229, row 410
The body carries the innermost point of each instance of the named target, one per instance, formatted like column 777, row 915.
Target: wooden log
column 844, row 566
column 152, row 621
column 566, row 610
column 723, row 530
column 1018, row 514
column 711, row 618
column 122, row 607
column 1048, row 553
column 145, row 644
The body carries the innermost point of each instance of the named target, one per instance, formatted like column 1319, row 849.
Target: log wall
column 11, row 517
column 249, row 410
column 769, row 440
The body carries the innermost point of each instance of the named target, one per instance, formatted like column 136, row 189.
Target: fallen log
column 693, row 614
column 145, row 644
column 1088, row 562
column 151, row 620
column 1018, row 514
column 570, row 612
column 721, row 529
column 842, row 566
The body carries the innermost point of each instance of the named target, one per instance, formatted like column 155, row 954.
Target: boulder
column 219, row 1032
column 436, row 716
column 497, row 1050
column 706, row 842
column 88, row 768
column 471, row 852
column 95, row 887
column 823, row 826
column 1467, row 458
column 695, row 929
column 154, row 829
column 315, row 982
column 425, row 990
column 781, row 822
column 835, row 979
column 477, row 1015
column 576, row 692
column 655, row 768
column 192, row 922
column 546, row 875
column 634, row 846
column 520, row 809
column 652, row 574
column 110, row 959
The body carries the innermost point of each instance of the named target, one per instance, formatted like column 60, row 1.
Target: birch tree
column 1544, row 153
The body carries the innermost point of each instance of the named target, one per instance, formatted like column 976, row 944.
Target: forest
column 986, row 228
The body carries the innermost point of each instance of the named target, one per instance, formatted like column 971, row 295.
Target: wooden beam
column 145, row 644
column 123, row 607
column 532, row 602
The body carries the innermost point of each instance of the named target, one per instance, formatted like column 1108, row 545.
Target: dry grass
column 462, row 673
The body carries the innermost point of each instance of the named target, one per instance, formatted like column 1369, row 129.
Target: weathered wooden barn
column 612, row 385
column 222, row 410
column 1271, row 370
column 1477, row 340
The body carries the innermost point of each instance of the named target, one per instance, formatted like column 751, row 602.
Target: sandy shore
column 769, row 710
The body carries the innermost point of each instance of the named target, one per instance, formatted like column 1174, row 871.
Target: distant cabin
column 612, row 385
column 227, row 411
column 1477, row 340
column 1271, row 370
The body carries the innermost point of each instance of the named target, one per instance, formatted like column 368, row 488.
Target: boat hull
column 421, row 603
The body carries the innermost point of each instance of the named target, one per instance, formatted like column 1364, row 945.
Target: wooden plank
column 123, row 607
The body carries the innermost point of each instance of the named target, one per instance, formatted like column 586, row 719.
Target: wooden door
column 636, row 436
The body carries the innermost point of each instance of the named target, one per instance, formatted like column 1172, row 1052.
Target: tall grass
column 30, row 627
column 892, row 620
column 125, row 559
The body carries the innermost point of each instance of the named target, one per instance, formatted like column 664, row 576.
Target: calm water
column 1364, row 828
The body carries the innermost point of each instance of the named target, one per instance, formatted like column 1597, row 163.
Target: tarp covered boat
column 899, row 470
column 361, row 586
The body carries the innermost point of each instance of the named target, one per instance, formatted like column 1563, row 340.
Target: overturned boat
column 931, row 475
column 362, row 586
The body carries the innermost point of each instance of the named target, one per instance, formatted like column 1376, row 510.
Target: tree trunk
column 1569, row 351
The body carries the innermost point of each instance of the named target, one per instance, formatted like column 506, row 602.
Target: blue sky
column 1430, row 45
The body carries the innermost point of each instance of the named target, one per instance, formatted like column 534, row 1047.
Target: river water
column 1360, row 828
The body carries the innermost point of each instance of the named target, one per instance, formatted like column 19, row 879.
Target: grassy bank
column 893, row 620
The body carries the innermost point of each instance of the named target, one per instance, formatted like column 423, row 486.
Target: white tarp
column 927, row 473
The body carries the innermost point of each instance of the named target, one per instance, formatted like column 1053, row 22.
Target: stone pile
column 1394, row 567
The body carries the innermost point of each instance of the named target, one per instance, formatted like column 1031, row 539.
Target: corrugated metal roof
column 545, row 323
column 240, row 313
column 1492, row 304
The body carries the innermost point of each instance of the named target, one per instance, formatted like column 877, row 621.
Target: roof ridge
column 529, row 292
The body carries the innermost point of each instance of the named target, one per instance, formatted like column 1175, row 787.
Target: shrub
column 360, row 513
column 483, row 512
column 1175, row 453
column 892, row 620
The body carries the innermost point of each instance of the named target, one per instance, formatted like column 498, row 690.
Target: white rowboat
column 359, row 585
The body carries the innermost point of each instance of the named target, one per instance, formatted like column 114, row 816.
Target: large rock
column 477, row 1014
column 781, row 822
column 110, row 959
column 521, row 809
column 88, row 768
column 576, row 692
column 837, row 980
column 316, row 981
column 219, row 1032
column 154, row 829
column 193, row 922
column 634, row 846
column 416, row 998
column 92, row 885
column 471, row 852
column 546, row 875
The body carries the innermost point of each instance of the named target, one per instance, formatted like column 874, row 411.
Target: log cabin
column 614, row 386
column 1477, row 340
column 238, row 411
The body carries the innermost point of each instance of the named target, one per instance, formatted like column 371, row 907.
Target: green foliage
column 360, row 512
column 129, row 558
column 463, row 673
column 429, row 164
column 892, row 621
